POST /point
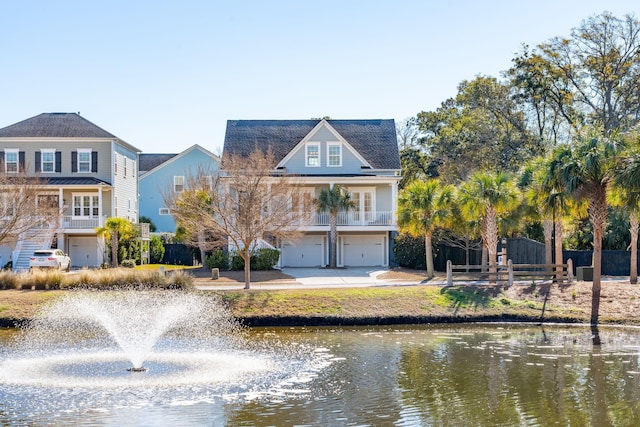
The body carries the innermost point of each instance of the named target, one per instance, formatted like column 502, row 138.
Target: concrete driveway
column 339, row 277
column 310, row 278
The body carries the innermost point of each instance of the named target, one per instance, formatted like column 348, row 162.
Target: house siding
column 125, row 193
column 154, row 183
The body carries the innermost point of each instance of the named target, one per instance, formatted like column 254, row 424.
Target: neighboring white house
column 361, row 155
column 91, row 172
column 161, row 173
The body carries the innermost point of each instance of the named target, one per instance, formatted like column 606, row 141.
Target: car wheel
column 68, row 267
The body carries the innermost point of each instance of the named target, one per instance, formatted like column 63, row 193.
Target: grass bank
column 620, row 303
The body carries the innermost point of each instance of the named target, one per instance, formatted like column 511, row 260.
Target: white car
column 50, row 258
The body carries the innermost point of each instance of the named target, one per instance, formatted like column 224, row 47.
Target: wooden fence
column 510, row 273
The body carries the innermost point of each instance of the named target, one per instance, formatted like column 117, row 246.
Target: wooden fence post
column 569, row 270
column 510, row 273
column 449, row 273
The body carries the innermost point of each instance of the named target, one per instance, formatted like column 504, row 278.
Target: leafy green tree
column 589, row 78
column 482, row 128
column 156, row 249
column 489, row 196
column 422, row 207
column 334, row 200
column 586, row 170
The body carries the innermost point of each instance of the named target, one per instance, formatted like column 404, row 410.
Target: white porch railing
column 355, row 218
column 71, row 222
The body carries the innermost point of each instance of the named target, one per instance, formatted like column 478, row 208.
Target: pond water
column 444, row 375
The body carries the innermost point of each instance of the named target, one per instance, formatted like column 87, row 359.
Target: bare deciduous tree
column 25, row 204
column 246, row 203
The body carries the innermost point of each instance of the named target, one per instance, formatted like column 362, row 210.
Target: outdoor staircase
column 30, row 241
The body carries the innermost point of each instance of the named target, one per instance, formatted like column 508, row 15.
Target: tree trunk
column 429, row 255
column 633, row 228
column 598, row 217
column 246, row 256
column 558, row 244
column 114, row 249
column 547, row 228
column 491, row 230
column 333, row 236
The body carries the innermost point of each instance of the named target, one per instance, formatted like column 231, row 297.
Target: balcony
column 356, row 218
column 76, row 222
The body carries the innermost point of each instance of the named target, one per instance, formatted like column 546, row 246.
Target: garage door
column 83, row 251
column 308, row 252
column 363, row 250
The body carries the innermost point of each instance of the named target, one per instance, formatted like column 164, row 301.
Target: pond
column 481, row 375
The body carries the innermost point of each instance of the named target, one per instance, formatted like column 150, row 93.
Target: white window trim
column 53, row 160
column 334, row 144
column 176, row 180
column 164, row 211
column 91, row 206
column 84, row 150
column 306, row 154
column 17, row 162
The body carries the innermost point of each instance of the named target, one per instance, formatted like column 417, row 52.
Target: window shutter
column 2, row 158
column 94, row 161
column 58, row 161
column 74, row 161
column 38, row 162
column 21, row 160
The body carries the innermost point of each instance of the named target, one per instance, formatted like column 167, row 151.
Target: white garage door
column 308, row 252
column 83, row 251
column 363, row 250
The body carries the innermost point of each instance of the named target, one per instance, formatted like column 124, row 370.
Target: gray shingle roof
column 375, row 140
column 148, row 161
column 55, row 125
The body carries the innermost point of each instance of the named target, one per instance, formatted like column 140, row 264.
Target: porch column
column 394, row 201
column 100, row 202
column 60, row 208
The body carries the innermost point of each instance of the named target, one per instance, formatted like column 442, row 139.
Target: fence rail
column 510, row 273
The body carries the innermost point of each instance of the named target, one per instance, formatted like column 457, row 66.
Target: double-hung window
column 334, row 154
column 84, row 160
column 48, row 160
column 178, row 184
column 11, row 161
column 312, row 155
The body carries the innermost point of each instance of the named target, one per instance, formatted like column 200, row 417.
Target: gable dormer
column 323, row 151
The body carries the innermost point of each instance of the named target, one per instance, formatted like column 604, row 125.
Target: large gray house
column 361, row 155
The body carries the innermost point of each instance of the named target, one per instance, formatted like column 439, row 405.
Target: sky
column 164, row 75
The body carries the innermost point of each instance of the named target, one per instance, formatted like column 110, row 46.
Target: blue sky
column 164, row 75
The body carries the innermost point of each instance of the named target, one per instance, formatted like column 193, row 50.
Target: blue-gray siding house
column 361, row 155
column 161, row 173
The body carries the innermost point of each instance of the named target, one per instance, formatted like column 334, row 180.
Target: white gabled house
column 361, row 155
column 90, row 172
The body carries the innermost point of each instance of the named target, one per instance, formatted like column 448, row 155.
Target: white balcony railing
column 74, row 222
column 355, row 218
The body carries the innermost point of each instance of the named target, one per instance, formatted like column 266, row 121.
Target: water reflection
column 481, row 375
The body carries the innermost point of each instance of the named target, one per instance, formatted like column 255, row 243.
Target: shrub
column 180, row 279
column 128, row 263
column 410, row 252
column 218, row 259
column 156, row 249
column 265, row 259
column 237, row 263
column 262, row 259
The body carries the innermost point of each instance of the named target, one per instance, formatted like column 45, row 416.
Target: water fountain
column 128, row 348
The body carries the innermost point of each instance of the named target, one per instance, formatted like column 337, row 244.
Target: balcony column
column 60, row 207
column 394, row 201
column 99, row 204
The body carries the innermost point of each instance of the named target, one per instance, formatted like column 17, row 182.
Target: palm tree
column 627, row 179
column 114, row 228
column 585, row 170
column 488, row 196
column 334, row 200
column 423, row 206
